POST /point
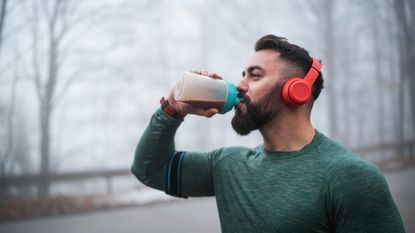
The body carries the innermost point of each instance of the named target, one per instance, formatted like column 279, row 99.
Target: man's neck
column 289, row 133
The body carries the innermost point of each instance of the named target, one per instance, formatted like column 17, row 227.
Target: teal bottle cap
column 232, row 99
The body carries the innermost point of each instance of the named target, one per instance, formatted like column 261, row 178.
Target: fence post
column 109, row 185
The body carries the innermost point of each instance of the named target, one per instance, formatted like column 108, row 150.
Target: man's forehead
column 263, row 58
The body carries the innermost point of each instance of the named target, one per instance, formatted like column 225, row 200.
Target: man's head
column 275, row 61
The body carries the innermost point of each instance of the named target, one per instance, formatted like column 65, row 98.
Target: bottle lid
column 232, row 99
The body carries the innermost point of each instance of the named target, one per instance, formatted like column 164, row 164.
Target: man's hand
column 183, row 108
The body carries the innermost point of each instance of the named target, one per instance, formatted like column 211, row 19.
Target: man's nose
column 242, row 86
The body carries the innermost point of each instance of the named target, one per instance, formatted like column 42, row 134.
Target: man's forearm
column 154, row 149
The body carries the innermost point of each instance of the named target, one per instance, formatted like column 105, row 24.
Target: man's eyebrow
column 251, row 69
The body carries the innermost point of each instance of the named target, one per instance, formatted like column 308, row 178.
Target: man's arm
column 156, row 162
column 154, row 150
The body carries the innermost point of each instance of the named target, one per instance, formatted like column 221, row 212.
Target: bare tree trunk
column 401, row 92
column 46, row 108
column 377, row 47
column 395, row 77
column 324, row 12
column 330, row 64
column 44, row 148
column 9, row 143
column 347, row 97
column 56, row 28
column 405, row 16
column 2, row 19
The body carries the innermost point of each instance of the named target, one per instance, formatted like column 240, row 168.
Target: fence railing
column 387, row 156
column 35, row 179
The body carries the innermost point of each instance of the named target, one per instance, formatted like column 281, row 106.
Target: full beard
column 256, row 115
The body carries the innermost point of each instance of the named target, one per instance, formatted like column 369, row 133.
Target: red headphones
column 297, row 91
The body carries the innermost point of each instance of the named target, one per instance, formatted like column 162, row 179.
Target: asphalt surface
column 195, row 215
column 402, row 187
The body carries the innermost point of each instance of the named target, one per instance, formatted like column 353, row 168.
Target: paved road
column 402, row 186
column 193, row 215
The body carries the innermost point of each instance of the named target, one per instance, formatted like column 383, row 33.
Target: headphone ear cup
column 285, row 95
column 295, row 91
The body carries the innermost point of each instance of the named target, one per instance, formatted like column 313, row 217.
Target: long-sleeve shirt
column 321, row 188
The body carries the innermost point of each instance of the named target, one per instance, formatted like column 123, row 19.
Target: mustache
column 244, row 98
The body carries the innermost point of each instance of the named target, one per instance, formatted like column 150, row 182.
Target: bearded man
column 298, row 180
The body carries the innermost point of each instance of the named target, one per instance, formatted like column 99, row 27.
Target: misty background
column 79, row 81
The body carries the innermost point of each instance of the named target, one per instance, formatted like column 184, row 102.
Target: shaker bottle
column 206, row 92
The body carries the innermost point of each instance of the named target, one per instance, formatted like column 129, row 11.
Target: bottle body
column 205, row 92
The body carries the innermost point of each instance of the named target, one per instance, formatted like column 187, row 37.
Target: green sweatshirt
column 321, row 188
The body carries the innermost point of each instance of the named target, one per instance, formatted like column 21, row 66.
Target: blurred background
column 79, row 81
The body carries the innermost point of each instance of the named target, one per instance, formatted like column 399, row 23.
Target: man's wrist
column 169, row 110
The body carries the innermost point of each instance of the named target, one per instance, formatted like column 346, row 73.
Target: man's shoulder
column 341, row 159
column 328, row 147
column 348, row 174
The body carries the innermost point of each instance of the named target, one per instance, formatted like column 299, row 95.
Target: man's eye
column 255, row 75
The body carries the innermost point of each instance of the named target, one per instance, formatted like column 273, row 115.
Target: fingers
column 205, row 73
column 215, row 76
column 185, row 108
column 201, row 72
column 205, row 112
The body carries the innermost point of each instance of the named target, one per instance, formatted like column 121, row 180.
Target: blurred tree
column 324, row 12
column 5, row 154
column 50, row 19
column 8, row 112
column 405, row 18
column 376, row 21
column 2, row 19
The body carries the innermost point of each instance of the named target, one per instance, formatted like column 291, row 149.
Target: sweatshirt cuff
column 165, row 120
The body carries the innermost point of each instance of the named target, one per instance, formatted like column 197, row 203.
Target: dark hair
column 293, row 54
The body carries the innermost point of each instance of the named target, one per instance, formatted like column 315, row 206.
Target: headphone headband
column 313, row 72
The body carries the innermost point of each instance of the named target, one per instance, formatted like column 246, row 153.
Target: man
column 298, row 180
